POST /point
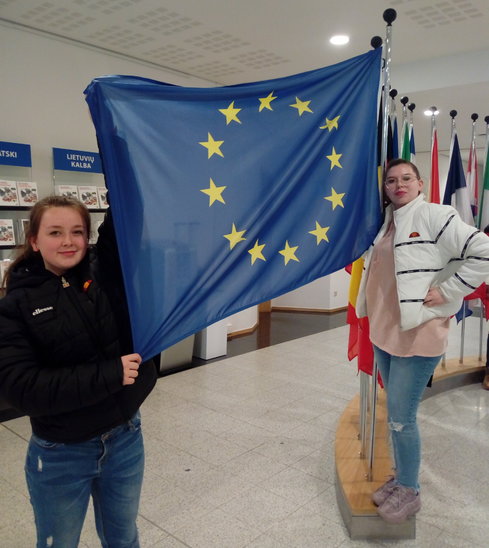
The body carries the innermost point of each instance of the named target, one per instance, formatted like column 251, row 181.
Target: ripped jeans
column 61, row 477
column 404, row 381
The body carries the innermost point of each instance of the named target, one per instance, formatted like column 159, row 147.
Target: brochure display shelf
column 13, row 182
column 89, row 187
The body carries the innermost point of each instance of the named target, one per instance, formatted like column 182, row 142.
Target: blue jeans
column 61, row 477
column 404, row 381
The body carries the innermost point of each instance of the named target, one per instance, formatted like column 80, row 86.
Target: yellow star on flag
column 330, row 124
column 265, row 102
column 301, row 106
column 235, row 236
column 214, row 192
column 335, row 198
column 320, row 233
column 334, row 158
column 289, row 253
column 213, row 147
column 256, row 252
column 231, row 114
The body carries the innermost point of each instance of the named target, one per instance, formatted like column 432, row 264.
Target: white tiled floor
column 240, row 454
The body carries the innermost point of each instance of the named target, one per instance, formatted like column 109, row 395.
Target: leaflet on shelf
column 89, row 196
column 8, row 193
column 7, row 234
column 27, row 193
column 102, row 197
column 67, row 190
column 21, row 230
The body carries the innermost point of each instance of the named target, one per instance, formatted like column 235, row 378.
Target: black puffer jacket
column 61, row 339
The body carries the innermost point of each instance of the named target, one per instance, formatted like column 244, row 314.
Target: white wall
column 242, row 321
column 42, row 94
column 327, row 293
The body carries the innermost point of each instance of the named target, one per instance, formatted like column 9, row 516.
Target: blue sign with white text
column 76, row 160
column 15, row 154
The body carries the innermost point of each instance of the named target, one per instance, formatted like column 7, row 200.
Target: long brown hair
column 32, row 229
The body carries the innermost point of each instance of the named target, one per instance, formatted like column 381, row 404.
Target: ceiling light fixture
column 432, row 111
column 339, row 40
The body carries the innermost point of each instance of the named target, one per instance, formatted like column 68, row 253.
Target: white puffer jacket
column 433, row 247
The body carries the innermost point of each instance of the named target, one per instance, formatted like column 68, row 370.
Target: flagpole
column 375, row 42
column 481, row 328
column 453, row 114
column 434, row 165
column 411, row 108
column 392, row 119
column 483, row 216
column 404, row 101
column 435, row 180
column 473, row 181
column 389, row 16
column 404, row 130
column 474, row 191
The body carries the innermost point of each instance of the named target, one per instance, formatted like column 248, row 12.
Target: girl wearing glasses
column 423, row 261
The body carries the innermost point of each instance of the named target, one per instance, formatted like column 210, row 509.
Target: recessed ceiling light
column 429, row 112
column 339, row 40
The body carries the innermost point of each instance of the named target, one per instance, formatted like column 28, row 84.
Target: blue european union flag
column 230, row 196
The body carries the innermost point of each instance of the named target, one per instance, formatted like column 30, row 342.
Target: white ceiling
column 235, row 41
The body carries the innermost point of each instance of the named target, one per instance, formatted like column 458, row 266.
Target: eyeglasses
column 404, row 180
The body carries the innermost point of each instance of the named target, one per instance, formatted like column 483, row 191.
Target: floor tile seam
column 269, row 491
column 150, row 521
column 15, row 487
column 182, row 529
column 285, row 437
column 322, row 411
column 331, row 482
column 290, row 466
column 324, row 519
column 220, row 462
column 12, row 431
column 263, row 530
column 284, row 464
column 247, row 420
column 187, row 448
column 174, row 533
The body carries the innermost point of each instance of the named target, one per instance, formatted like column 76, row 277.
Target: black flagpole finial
column 404, row 100
column 376, row 42
column 411, row 106
column 486, row 119
column 390, row 16
column 474, row 116
column 393, row 93
column 433, row 109
column 453, row 113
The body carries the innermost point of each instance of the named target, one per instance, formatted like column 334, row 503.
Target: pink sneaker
column 384, row 491
column 400, row 505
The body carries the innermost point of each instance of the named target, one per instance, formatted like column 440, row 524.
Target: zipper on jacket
column 85, row 319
